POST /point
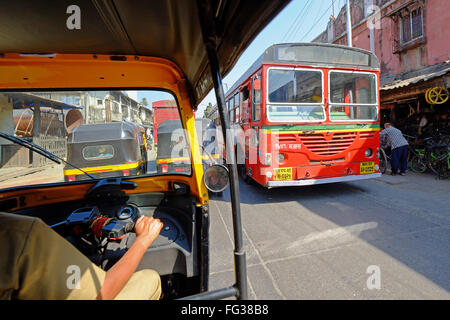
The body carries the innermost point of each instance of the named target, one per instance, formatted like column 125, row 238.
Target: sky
column 299, row 21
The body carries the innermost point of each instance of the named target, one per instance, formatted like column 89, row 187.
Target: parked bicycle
column 432, row 153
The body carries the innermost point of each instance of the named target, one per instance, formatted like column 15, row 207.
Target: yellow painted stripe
column 93, row 170
column 172, row 160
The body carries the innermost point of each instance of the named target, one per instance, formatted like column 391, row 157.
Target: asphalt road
column 385, row 238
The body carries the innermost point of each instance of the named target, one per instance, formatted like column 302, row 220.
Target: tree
column 144, row 101
column 207, row 110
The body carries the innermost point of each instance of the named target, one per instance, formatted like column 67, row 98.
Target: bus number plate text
column 282, row 174
column 367, row 167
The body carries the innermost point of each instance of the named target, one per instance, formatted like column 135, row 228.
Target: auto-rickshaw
column 182, row 47
column 174, row 156
column 173, row 152
column 106, row 150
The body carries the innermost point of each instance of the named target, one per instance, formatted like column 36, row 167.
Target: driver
column 37, row 263
column 317, row 95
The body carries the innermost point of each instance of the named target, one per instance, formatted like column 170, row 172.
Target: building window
column 412, row 25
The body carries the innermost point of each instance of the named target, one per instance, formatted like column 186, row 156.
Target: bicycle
column 383, row 160
column 439, row 159
column 433, row 154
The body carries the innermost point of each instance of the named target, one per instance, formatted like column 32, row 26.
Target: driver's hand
column 147, row 229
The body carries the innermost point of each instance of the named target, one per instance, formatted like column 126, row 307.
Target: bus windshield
column 353, row 96
column 295, row 95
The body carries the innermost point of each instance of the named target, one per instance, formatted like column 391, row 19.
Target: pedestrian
column 399, row 148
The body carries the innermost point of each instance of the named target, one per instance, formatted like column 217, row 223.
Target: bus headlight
column 268, row 159
column 269, row 174
column 281, row 157
column 368, row 153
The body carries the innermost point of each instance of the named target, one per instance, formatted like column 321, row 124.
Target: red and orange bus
column 306, row 113
column 163, row 110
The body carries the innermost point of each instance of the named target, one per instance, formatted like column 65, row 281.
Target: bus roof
column 314, row 54
column 167, row 29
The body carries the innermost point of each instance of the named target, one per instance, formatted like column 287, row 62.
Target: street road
column 386, row 238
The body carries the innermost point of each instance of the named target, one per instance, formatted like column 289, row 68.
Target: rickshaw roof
column 167, row 29
column 169, row 126
column 104, row 132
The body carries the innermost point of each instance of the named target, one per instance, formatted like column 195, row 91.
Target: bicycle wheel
column 383, row 161
column 434, row 159
column 417, row 164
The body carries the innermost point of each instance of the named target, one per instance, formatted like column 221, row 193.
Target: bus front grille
column 327, row 144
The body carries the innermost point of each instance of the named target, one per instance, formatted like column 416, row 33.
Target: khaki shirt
column 37, row 263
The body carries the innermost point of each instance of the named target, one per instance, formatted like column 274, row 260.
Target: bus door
column 245, row 119
column 348, row 98
column 255, row 121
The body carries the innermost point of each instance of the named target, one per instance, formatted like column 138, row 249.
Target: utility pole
column 349, row 25
column 332, row 5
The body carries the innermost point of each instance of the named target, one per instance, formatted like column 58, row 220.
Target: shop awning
column 415, row 77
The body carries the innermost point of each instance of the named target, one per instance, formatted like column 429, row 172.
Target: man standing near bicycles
column 399, row 148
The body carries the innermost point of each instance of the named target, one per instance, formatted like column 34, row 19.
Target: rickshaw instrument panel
column 174, row 250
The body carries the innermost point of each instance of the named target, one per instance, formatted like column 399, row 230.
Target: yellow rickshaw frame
column 19, row 72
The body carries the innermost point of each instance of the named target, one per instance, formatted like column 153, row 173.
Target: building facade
column 410, row 38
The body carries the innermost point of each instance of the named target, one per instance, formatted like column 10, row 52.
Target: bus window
column 244, row 103
column 295, row 95
column 353, row 96
column 232, row 114
column 237, row 107
column 256, row 98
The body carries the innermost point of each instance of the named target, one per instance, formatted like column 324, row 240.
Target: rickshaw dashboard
column 174, row 250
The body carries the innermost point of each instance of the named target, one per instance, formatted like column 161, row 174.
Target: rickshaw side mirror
column 216, row 178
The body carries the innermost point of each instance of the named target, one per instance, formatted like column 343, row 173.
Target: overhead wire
column 315, row 24
column 295, row 24
column 299, row 25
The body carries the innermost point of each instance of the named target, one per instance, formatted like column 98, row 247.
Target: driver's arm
column 37, row 263
column 147, row 229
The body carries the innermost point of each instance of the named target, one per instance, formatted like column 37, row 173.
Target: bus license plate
column 367, row 167
column 282, row 174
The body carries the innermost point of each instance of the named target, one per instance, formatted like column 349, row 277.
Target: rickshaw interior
column 192, row 44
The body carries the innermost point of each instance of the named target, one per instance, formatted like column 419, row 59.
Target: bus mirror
column 216, row 178
column 257, row 84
